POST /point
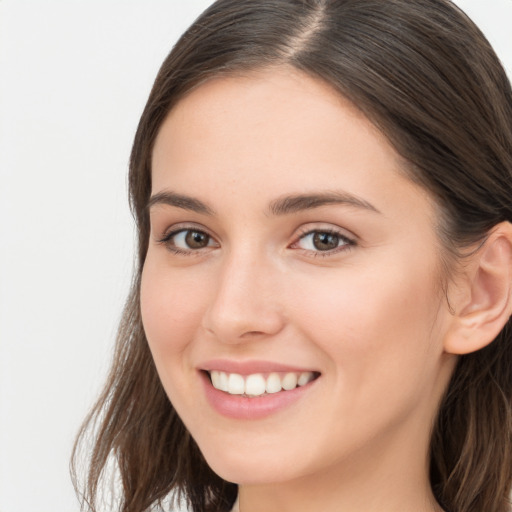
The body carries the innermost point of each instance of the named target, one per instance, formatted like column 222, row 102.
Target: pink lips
column 245, row 408
column 248, row 367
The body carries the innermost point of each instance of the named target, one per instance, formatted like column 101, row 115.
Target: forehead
column 275, row 130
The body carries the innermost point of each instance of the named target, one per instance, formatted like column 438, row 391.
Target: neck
column 329, row 496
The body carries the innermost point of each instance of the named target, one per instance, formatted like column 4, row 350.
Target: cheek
column 371, row 319
column 381, row 352
column 171, row 306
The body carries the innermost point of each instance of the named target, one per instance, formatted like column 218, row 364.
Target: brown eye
column 325, row 241
column 196, row 239
column 188, row 241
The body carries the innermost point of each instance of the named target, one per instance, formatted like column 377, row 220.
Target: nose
column 246, row 302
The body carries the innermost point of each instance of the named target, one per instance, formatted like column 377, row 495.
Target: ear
column 485, row 295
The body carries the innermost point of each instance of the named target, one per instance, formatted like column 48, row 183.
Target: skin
column 368, row 315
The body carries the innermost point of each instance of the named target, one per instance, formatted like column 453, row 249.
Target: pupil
column 325, row 241
column 196, row 240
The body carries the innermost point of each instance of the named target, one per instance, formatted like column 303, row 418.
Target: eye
column 186, row 241
column 323, row 241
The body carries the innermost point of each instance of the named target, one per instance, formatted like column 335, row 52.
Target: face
column 293, row 264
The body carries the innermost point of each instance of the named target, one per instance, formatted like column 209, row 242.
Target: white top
column 236, row 507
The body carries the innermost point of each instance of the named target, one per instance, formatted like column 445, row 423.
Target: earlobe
column 488, row 302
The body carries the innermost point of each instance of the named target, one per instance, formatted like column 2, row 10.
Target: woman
column 320, row 318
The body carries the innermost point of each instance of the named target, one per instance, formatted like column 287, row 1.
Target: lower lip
column 245, row 408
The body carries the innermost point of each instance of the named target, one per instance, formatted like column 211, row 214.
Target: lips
column 255, row 389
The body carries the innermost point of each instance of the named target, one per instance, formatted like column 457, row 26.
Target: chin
column 250, row 468
column 250, row 474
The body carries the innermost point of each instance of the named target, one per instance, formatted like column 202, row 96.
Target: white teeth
column 236, row 384
column 304, row 378
column 256, row 384
column 273, row 383
column 223, row 381
column 215, row 376
column 290, row 381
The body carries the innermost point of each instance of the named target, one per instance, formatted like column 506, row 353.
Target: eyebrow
column 295, row 203
column 180, row 201
column 281, row 206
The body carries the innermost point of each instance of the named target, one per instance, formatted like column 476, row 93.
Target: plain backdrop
column 74, row 77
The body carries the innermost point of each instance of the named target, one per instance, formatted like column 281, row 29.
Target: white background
column 74, row 77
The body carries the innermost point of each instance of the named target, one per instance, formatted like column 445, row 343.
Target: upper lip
column 250, row 367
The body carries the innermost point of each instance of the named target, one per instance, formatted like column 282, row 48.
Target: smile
column 255, row 390
column 258, row 384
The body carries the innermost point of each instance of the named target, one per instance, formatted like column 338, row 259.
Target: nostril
column 251, row 334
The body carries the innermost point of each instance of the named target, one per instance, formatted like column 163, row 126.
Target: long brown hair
column 424, row 74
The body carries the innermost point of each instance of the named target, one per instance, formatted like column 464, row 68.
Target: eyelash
column 347, row 243
column 167, row 240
